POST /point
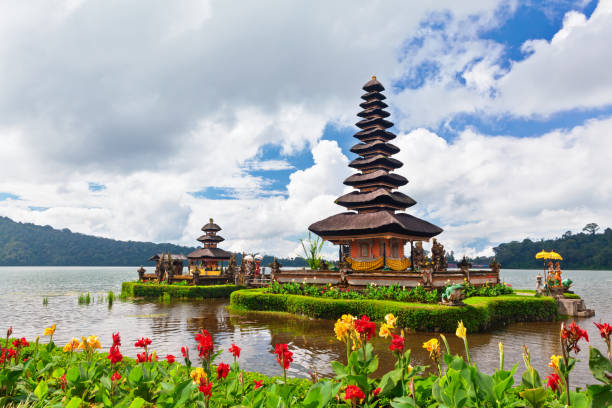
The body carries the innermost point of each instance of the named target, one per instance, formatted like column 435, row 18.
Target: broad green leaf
column 41, row 389
column 75, row 402
column 403, row 402
column 73, row 374
column 601, row 395
column 320, row 394
column 535, row 397
column 137, row 403
column 135, row 375
column 599, row 365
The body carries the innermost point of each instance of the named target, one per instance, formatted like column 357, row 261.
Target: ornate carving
column 418, row 255
column 141, row 271
column 274, row 269
column 438, row 256
column 495, row 266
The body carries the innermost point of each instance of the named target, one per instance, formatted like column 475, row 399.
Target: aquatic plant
column 110, row 298
column 45, row 301
column 84, row 299
column 312, row 247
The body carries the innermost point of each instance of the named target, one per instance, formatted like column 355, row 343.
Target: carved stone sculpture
column 274, row 269
column 438, row 256
column 418, row 255
column 539, row 288
column 453, row 295
column 141, row 271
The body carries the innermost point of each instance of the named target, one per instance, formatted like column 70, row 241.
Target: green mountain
column 580, row 251
column 25, row 244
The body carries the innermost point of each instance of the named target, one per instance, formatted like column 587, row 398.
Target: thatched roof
column 373, row 111
column 375, row 146
column 175, row 257
column 354, row 224
column 373, row 104
column 375, row 133
column 211, row 226
column 373, row 86
column 374, row 121
column 378, row 161
column 377, row 176
column 211, row 238
column 373, row 95
column 209, row 253
column 356, row 199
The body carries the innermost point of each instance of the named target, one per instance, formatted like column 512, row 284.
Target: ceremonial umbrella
column 555, row 256
column 544, row 255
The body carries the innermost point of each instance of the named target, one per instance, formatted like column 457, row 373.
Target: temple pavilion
column 209, row 256
column 374, row 233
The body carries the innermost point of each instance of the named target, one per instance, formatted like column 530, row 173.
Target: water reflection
column 174, row 324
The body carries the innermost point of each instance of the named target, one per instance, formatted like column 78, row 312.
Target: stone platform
column 573, row 307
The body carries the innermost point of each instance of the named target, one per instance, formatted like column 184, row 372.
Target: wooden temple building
column 209, row 259
column 380, row 243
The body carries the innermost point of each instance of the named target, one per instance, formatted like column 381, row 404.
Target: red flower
column 235, row 350
column 376, row 391
column 116, row 376
column 353, row 392
column 553, row 381
column 604, row 330
column 62, row 381
column 397, row 343
column 143, row 357
column 116, row 339
column 185, row 352
column 570, row 336
column 258, row 384
column 283, row 355
column 170, row 358
column 222, row 370
column 206, row 346
column 114, row 355
column 205, row 387
column 365, row 327
column 143, row 342
column 20, row 343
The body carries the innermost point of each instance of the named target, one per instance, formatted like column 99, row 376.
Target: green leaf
column 73, row 374
column 403, row 402
column 58, row 372
column 41, row 389
column 601, row 395
column 340, row 369
column 320, row 394
column 535, row 397
column 599, row 365
column 106, row 382
column 531, row 379
column 579, row 400
column 135, row 375
column 389, row 381
column 137, row 403
column 75, row 402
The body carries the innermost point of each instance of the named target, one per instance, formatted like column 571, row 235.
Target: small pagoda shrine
column 205, row 260
column 374, row 233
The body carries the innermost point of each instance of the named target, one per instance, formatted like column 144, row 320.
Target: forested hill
column 580, row 251
column 24, row 244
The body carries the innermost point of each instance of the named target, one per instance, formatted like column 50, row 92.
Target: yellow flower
column 344, row 326
column 83, row 344
column 554, row 361
column 410, row 368
column 93, row 342
column 461, row 331
column 72, row 345
column 433, row 346
column 50, row 330
column 384, row 330
column 501, row 347
column 198, row 374
column 390, row 319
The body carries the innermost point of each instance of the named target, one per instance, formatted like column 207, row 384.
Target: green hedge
column 137, row 289
column 479, row 314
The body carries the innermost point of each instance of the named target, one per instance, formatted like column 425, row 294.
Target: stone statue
column 141, row 271
column 418, row 255
column 438, row 256
column 453, row 295
column 274, row 269
column 539, row 288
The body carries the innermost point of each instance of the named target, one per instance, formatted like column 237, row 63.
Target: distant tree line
column 25, row 244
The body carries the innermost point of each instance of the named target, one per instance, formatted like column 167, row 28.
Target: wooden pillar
column 411, row 256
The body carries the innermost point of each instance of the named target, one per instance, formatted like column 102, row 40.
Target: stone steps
column 573, row 307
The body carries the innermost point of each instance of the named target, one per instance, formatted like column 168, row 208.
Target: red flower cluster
column 205, row 387
column 353, row 392
column 376, row 391
column 117, row 339
column 144, row 357
column 7, row 354
column 185, row 352
column 235, row 350
column 63, row 382
column 206, row 346
column 397, row 343
column 365, row 327
column 604, row 330
column 116, row 376
column 170, row 358
column 570, row 336
column 20, row 343
column 222, row 370
column 553, row 381
column 258, row 384
column 143, row 342
column 283, row 355
column 114, row 355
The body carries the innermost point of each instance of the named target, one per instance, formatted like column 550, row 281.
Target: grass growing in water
column 110, row 297
column 45, row 301
column 84, row 299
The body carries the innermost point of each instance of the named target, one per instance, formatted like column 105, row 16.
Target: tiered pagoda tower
column 374, row 229
column 209, row 255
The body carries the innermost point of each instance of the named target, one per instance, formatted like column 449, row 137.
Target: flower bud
column 9, row 331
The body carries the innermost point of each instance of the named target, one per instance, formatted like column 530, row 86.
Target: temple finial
column 374, row 77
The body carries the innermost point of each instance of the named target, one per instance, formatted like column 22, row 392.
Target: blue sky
column 247, row 116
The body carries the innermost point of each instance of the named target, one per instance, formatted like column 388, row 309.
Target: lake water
column 175, row 324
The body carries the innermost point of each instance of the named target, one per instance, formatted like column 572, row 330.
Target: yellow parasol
column 554, row 255
column 542, row 254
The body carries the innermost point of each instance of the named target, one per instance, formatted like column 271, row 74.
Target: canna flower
column 114, row 355
column 258, row 384
column 222, row 370
column 205, row 387
column 206, row 346
column 197, row 375
column 390, row 320
column 283, row 355
column 365, row 327
column 553, row 381
column 384, row 330
column 461, row 331
column 570, row 336
column 185, row 352
column 397, row 343
column 116, row 339
column 433, row 346
column 50, row 330
column 72, row 345
column 376, row 391
column 93, row 342
column 143, row 342
column 604, row 330
column 170, row 358
column 235, row 350
column 9, row 332
column 62, row 382
column 344, row 327
column 554, row 361
column 353, row 393
column 116, row 376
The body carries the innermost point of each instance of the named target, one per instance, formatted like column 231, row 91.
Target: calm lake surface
column 175, row 324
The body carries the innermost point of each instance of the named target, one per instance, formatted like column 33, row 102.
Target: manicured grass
column 148, row 290
column 479, row 313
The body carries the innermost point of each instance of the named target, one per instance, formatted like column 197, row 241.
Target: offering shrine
column 375, row 233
